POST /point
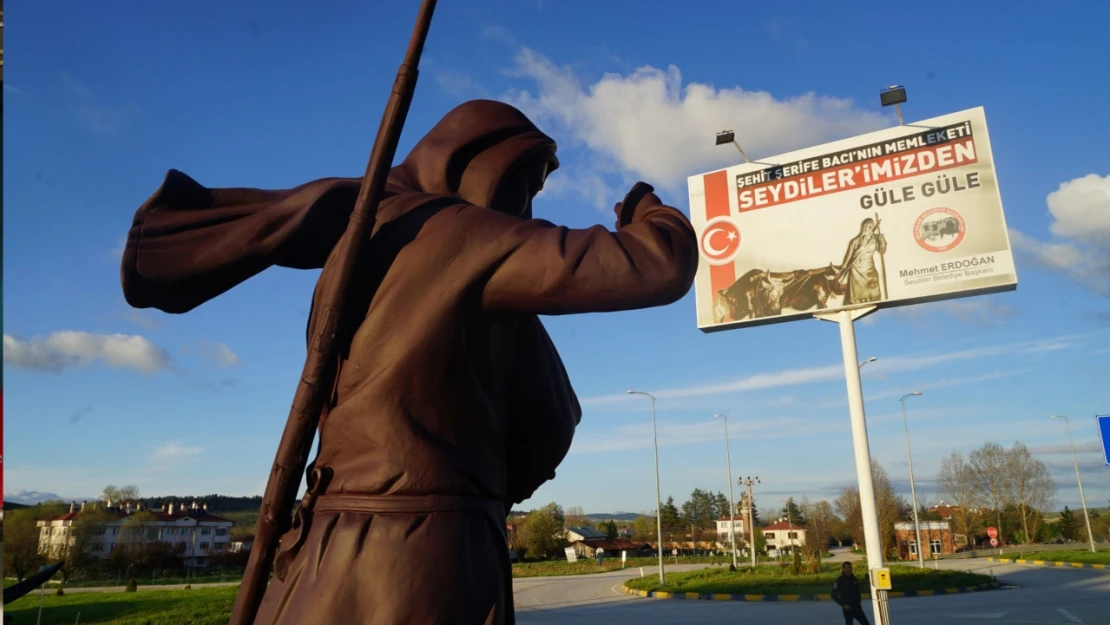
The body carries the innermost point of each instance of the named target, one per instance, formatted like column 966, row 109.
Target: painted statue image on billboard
column 894, row 217
column 858, row 279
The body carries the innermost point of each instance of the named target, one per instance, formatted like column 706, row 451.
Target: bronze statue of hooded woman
column 450, row 403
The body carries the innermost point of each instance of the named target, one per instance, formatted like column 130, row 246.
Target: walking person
column 847, row 594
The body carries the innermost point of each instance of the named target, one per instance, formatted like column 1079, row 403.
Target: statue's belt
column 315, row 502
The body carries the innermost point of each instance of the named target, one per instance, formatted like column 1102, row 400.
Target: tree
column 699, row 512
column 1032, row 488
column 668, row 514
column 86, row 531
column 543, row 532
column 848, row 505
column 818, row 527
column 127, row 493
column 643, row 528
column 1067, row 525
column 21, row 543
column 611, row 529
column 958, row 482
column 891, row 508
column 989, row 465
column 793, row 513
column 576, row 517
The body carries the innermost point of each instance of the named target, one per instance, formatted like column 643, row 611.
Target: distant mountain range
column 29, row 497
column 615, row 516
column 596, row 516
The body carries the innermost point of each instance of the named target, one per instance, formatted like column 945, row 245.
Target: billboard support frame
column 845, row 318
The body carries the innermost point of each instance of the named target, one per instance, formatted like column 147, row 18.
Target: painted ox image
column 940, row 228
column 760, row 293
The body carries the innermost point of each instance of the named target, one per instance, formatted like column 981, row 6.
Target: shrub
column 132, row 585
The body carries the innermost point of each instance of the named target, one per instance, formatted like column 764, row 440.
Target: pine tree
column 793, row 513
column 1068, row 525
column 611, row 529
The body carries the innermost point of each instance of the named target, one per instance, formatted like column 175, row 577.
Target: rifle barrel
column 300, row 428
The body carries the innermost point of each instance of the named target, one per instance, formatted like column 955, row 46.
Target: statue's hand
column 641, row 193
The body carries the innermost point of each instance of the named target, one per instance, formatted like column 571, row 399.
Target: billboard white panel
column 894, row 217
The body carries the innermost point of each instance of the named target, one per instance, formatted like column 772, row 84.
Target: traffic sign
column 1103, row 422
column 992, row 532
column 994, row 542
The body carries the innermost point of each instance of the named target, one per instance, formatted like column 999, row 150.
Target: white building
column 190, row 531
column 783, row 534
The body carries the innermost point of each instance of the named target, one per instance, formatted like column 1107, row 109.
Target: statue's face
column 516, row 192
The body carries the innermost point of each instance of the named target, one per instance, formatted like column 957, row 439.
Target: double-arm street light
column 658, row 497
column 1079, row 481
column 913, row 490
column 731, row 501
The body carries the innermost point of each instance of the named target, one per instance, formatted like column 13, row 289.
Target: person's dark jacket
column 846, row 590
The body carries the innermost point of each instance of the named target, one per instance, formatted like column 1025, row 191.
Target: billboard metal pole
column 871, row 534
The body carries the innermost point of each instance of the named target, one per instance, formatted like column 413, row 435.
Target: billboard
column 894, row 217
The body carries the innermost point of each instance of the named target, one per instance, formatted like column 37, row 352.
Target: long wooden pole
column 300, row 429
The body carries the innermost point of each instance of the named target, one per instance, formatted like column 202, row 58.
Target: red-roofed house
column 612, row 547
column 190, row 531
column 783, row 534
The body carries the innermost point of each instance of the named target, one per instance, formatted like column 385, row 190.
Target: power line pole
column 748, row 482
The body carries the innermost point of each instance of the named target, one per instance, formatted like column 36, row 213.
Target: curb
column 894, row 594
column 1072, row 565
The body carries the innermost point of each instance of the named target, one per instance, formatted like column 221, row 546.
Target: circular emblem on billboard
column 939, row 229
column 720, row 241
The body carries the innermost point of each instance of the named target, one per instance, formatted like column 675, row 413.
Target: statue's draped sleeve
column 552, row 270
column 188, row 243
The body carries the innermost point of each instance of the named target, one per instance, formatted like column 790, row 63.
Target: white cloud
column 173, row 450
column 140, row 319
column 979, row 310
column 649, row 125
column 1080, row 211
column 96, row 114
column 675, row 434
column 218, row 353
column 950, row 382
column 1089, row 447
column 810, row 375
column 71, row 348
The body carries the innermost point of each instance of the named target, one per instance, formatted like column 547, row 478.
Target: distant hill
column 615, row 516
column 597, row 516
column 11, row 505
column 29, row 497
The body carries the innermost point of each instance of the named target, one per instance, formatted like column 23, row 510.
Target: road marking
column 1068, row 615
column 979, row 615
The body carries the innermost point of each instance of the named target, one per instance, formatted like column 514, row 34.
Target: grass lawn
column 779, row 581
column 1086, row 557
column 202, row 606
column 585, row 566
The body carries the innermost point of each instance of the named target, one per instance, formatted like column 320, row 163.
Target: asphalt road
column 1030, row 595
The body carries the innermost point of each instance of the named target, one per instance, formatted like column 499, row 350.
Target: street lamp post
column 871, row 359
column 658, row 497
column 913, row 489
column 731, row 501
column 1079, row 481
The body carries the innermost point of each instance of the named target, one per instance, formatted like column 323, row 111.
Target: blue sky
column 101, row 102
